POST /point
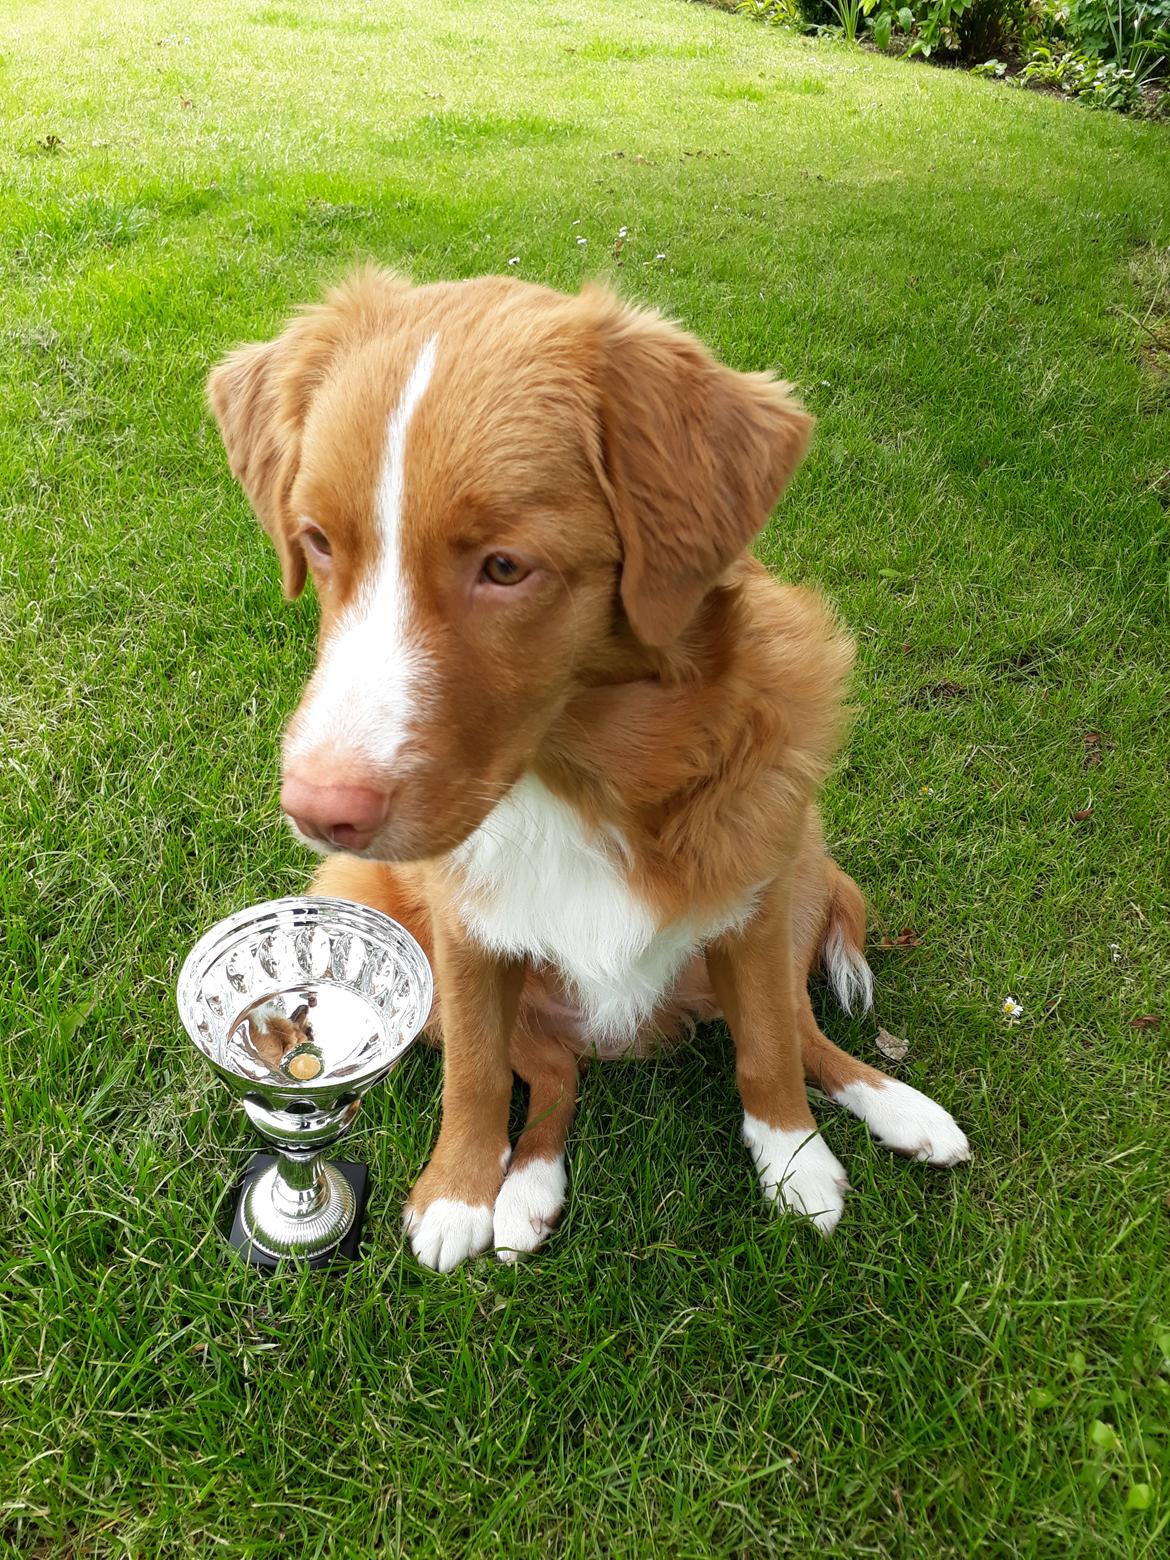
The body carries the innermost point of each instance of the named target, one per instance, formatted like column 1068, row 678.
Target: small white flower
column 622, row 232
column 581, row 241
column 1011, row 1010
column 515, row 260
column 1115, row 952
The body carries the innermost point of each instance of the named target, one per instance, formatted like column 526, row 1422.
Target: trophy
column 301, row 1006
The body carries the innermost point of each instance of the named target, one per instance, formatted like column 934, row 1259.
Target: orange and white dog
column 562, row 726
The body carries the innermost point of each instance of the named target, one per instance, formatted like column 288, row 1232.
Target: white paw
column 906, row 1121
column 797, row 1165
column 448, row 1232
column 527, row 1207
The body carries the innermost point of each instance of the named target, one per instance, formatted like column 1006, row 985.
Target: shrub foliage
column 1107, row 53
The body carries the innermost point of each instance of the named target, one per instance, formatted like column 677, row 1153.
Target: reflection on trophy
column 301, row 1006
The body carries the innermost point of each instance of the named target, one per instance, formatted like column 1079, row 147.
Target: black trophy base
column 347, row 1247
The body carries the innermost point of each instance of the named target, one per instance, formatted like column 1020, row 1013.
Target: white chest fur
column 537, row 884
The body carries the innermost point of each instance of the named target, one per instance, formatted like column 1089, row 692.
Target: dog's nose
column 344, row 815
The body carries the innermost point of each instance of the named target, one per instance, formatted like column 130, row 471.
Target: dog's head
column 504, row 495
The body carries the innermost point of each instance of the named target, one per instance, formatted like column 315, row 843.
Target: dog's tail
column 842, row 950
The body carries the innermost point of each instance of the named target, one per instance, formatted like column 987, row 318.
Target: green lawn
column 956, row 275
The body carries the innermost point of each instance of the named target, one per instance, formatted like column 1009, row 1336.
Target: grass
column 962, row 281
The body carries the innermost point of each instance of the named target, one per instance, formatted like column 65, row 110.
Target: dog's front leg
column 754, row 981
column 449, row 1213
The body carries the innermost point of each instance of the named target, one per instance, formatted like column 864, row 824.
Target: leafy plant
column 938, row 28
column 1112, row 52
column 1114, row 29
column 835, row 16
column 849, row 14
column 930, row 25
column 1091, row 80
column 1045, row 68
column 992, row 27
column 766, row 11
column 1111, row 86
column 772, row 13
column 1114, row 47
column 882, row 25
column 975, row 29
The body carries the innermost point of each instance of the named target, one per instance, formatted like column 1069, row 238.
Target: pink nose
column 344, row 815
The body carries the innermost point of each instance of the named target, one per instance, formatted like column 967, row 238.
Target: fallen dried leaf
column 1146, row 1021
column 890, row 1045
column 1094, row 744
column 1081, row 814
column 906, row 938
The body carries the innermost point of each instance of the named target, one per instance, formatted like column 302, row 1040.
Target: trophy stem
column 300, row 1188
column 300, row 1206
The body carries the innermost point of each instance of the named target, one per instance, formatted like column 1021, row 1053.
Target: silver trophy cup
column 301, row 1006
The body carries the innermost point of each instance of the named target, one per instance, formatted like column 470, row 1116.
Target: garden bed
column 1112, row 54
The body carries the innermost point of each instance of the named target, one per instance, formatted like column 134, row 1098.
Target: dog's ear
column 261, row 395
column 247, row 393
column 694, row 457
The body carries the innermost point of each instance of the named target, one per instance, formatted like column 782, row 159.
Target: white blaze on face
column 371, row 679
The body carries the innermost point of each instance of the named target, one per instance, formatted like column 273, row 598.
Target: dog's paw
column 908, row 1122
column 528, row 1206
column 797, row 1167
column 447, row 1232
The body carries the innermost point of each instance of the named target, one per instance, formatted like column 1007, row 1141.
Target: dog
column 562, row 725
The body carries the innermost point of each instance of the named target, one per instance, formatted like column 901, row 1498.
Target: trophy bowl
column 301, row 1005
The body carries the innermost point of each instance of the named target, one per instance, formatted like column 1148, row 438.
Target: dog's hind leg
column 533, row 1194
column 900, row 1117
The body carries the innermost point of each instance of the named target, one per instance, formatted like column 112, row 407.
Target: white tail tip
column 849, row 975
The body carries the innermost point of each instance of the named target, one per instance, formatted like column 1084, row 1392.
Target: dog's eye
column 499, row 569
column 316, row 542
